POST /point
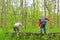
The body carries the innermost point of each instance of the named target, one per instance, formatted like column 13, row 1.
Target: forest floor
column 30, row 36
column 52, row 34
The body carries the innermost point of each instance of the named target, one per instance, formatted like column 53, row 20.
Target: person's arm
column 47, row 19
column 21, row 25
column 38, row 23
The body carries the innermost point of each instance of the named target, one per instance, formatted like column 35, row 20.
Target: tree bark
column 33, row 22
column 3, row 8
column 45, row 7
column 21, row 9
column 54, row 11
column 25, row 12
column 57, row 13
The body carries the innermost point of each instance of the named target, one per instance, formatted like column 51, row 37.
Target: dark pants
column 16, row 29
column 43, row 27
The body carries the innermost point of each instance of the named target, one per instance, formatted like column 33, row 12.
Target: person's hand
column 50, row 20
column 39, row 28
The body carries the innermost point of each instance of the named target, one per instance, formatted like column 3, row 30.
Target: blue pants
column 43, row 28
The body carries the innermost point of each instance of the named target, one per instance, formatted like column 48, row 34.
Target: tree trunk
column 57, row 13
column 33, row 22
column 45, row 7
column 21, row 9
column 3, row 8
column 25, row 12
column 54, row 11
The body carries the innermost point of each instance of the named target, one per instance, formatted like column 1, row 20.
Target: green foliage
column 14, row 13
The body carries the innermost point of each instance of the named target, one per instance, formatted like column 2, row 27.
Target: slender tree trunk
column 25, row 12
column 54, row 11
column 33, row 22
column 22, row 12
column 14, row 12
column 45, row 7
column 6, row 22
column 57, row 13
column 3, row 8
column 21, row 9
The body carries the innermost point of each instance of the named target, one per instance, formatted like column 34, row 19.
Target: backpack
column 42, row 21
